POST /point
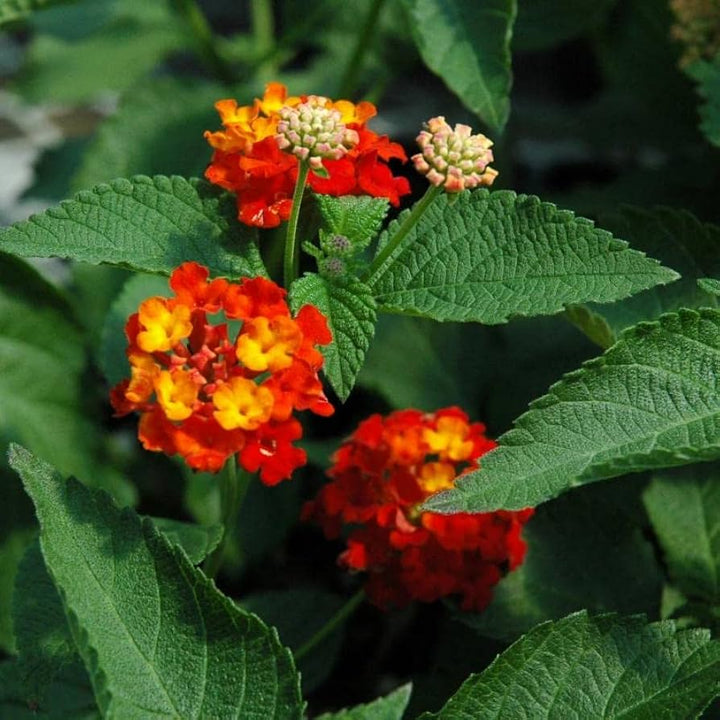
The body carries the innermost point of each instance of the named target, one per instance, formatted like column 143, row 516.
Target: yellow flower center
column 268, row 344
column 436, row 476
column 176, row 393
column 448, row 440
column 242, row 404
column 164, row 327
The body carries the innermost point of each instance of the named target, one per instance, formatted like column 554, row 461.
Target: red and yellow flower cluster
column 249, row 162
column 381, row 476
column 206, row 392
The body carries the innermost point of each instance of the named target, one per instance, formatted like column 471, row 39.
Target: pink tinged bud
column 454, row 157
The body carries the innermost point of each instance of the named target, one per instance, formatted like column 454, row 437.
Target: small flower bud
column 454, row 158
column 333, row 267
column 312, row 131
column 336, row 245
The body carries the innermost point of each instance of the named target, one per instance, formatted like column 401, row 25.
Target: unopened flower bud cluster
column 453, row 157
column 313, row 132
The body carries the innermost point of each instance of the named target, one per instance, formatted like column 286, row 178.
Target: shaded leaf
column 16, row 9
column 151, row 124
column 709, row 285
column 650, row 401
column 297, row 615
column 467, row 44
column 707, row 74
column 147, row 224
column 351, row 316
column 583, row 552
column 390, row 707
column 156, row 636
column 489, row 256
column 198, row 541
column 678, row 240
column 605, row 666
column 684, row 507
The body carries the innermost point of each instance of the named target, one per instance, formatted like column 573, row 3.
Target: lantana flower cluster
column 380, row 478
column 219, row 369
column 257, row 153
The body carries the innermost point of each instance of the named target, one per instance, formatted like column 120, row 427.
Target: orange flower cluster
column 249, row 162
column 381, row 476
column 206, row 394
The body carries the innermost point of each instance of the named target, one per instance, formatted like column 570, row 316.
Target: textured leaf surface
column 709, row 285
column 584, row 551
column 17, row 9
column 543, row 23
column 488, row 256
column 297, row 615
column 197, row 541
column 157, row 637
column 350, row 311
column 650, row 401
column 707, row 75
column 390, row 707
column 467, row 44
column 684, row 508
column 678, row 240
column 358, row 218
column 145, row 134
column 147, row 224
column 605, row 667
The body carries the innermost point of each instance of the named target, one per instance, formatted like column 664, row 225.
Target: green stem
column 363, row 42
column 233, row 487
column 263, row 27
column 292, row 249
column 204, row 39
column 415, row 214
column 335, row 621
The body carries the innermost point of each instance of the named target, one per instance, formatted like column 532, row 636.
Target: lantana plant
column 258, row 409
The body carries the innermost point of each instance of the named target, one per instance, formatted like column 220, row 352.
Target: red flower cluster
column 249, row 162
column 206, row 395
column 381, row 476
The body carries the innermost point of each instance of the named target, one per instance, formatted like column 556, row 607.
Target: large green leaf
column 123, row 42
column 467, row 44
column 156, row 636
column 678, row 240
column 158, row 129
column 351, row 315
column 485, row 257
column 390, row 707
column 543, row 23
column 584, row 551
column 707, row 75
column 16, row 9
column 601, row 667
column 198, row 541
column 650, row 401
column 147, row 224
column 684, row 507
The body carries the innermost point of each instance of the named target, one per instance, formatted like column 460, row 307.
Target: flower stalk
column 292, row 249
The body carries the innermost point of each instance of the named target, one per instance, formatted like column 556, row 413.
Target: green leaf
column 583, row 552
column 709, row 285
column 541, row 24
column 197, row 541
column 359, row 218
column 606, row 666
column 152, row 122
column 707, row 74
column 69, row 697
column 128, row 39
column 112, row 358
column 41, row 365
column 467, row 44
column 650, row 401
column 678, row 240
column 147, row 224
column 350, row 311
column 297, row 615
column 44, row 643
column 390, row 707
column 488, row 256
column 156, row 636
column 684, row 507
column 17, row 9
